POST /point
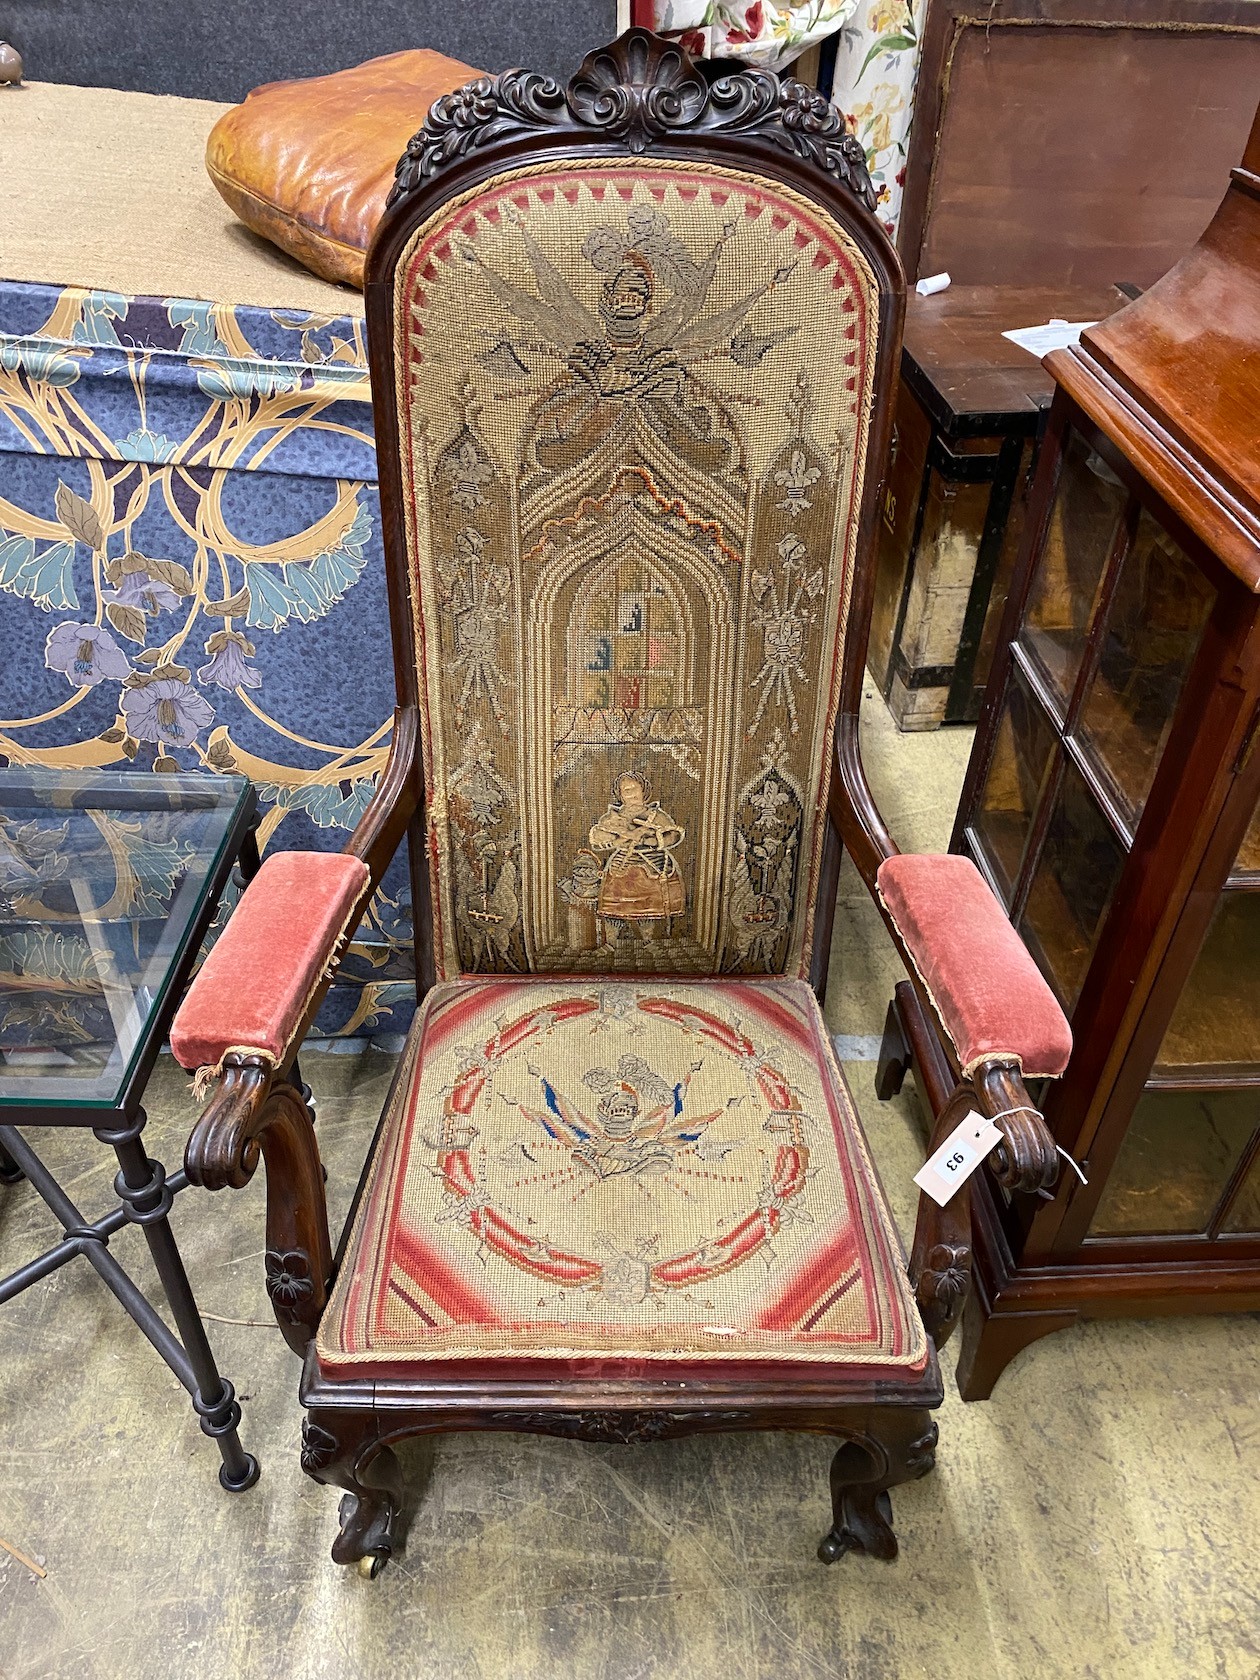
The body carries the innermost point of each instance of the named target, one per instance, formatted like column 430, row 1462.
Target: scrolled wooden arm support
column 1028, row 1161
column 940, row 1260
column 1025, row 1161
column 253, row 1113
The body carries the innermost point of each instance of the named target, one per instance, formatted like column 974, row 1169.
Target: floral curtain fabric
column 758, row 31
column 877, row 61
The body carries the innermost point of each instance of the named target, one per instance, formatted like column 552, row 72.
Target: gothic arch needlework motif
column 633, row 401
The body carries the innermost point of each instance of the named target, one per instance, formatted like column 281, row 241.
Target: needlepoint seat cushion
column 591, row 1178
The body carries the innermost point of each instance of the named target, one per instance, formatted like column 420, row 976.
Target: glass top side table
column 109, row 882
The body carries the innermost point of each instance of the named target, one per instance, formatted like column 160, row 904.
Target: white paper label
column 1055, row 335
column 958, row 1157
column 931, row 284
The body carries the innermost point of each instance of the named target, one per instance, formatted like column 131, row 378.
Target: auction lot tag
column 958, row 1157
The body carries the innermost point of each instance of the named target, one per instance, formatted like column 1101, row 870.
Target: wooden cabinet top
column 971, row 379
column 1175, row 377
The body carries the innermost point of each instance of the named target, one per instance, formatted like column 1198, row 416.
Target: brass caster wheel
column 371, row 1565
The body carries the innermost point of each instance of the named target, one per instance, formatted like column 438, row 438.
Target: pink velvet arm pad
column 987, row 990
column 254, row 988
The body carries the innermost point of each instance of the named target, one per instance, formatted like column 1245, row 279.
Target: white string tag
column 958, row 1157
column 1075, row 1166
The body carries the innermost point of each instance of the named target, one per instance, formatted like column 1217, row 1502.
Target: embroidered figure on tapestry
column 638, row 1126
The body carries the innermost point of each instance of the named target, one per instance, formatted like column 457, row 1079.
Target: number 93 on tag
column 958, row 1157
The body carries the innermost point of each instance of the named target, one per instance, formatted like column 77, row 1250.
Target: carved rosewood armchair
column 632, row 343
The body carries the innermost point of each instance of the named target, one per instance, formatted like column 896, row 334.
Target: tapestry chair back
column 633, row 400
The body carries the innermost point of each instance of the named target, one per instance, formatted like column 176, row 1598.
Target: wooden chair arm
column 254, row 1110
column 255, row 1113
column 852, row 808
column 1028, row 1162
column 1024, row 1017
column 263, row 983
column 380, row 830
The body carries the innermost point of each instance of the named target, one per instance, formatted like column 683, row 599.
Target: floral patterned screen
column 877, row 63
column 191, row 575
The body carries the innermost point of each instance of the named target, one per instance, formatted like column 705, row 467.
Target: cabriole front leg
column 899, row 1446
column 346, row 1451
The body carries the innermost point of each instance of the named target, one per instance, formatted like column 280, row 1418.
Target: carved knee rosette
column 347, row 1451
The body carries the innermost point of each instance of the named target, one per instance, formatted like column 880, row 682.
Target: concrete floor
column 1096, row 1519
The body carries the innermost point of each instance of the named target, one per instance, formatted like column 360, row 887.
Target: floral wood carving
column 288, row 1277
column 638, row 90
column 626, row 1428
column 319, row 1448
column 942, row 1287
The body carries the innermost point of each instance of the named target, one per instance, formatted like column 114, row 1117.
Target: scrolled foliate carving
column 628, row 1428
column 809, row 125
column 491, row 108
column 638, row 90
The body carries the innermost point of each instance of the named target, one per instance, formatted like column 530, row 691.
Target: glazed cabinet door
column 1114, row 618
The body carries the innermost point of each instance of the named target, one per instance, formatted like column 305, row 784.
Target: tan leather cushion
column 309, row 164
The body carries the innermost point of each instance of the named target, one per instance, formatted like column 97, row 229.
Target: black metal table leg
column 248, row 861
column 142, row 1188
column 10, row 1172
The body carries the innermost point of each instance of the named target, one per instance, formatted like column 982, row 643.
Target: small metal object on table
column 108, row 884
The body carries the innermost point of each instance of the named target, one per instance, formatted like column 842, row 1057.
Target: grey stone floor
column 1097, row 1519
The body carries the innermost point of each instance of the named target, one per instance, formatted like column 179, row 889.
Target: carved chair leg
column 894, row 1056
column 347, row 1453
column 900, row 1447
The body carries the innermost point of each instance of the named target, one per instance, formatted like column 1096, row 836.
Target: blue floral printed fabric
column 191, row 573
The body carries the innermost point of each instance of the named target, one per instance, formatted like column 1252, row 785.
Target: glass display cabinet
column 1111, row 801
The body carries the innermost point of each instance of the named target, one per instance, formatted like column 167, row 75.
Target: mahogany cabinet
column 1111, row 802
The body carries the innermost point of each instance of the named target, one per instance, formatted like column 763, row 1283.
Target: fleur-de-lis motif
column 466, row 473
column 477, row 591
column 796, row 480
